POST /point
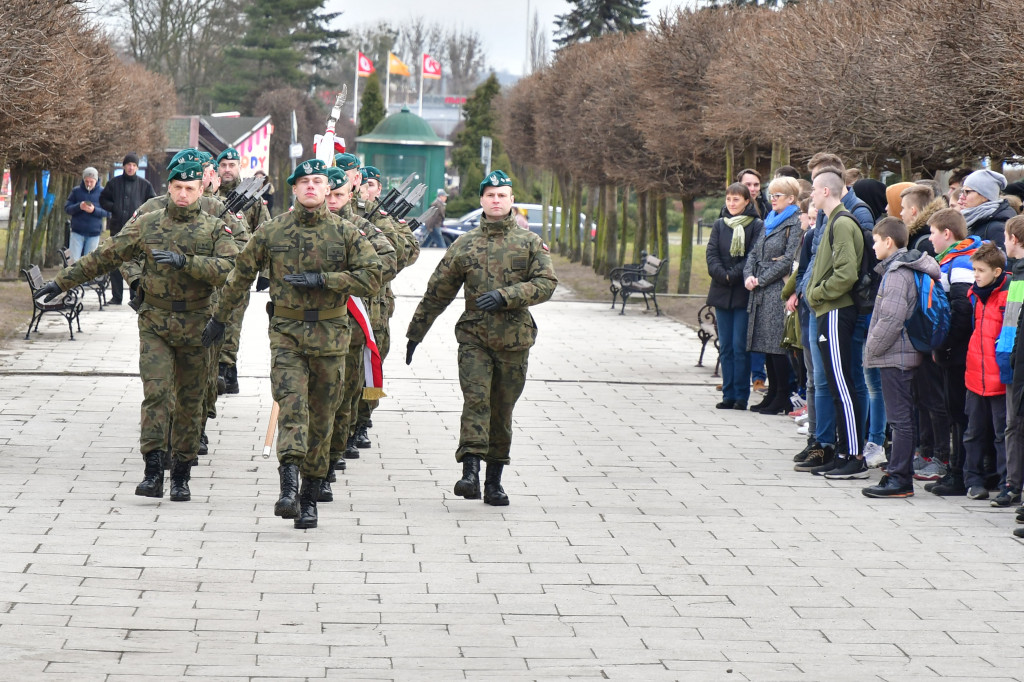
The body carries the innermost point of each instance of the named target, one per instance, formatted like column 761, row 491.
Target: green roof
column 404, row 127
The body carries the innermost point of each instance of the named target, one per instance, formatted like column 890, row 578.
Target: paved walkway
column 650, row 537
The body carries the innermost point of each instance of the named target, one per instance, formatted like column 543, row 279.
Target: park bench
column 99, row 285
column 640, row 278
column 707, row 330
column 67, row 304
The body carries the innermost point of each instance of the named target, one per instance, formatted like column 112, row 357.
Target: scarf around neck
column 775, row 219
column 980, row 212
column 738, row 223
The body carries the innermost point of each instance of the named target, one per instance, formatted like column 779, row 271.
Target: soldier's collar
column 226, row 187
column 305, row 216
column 503, row 225
column 183, row 214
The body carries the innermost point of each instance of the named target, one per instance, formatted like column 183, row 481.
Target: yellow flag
column 397, row 66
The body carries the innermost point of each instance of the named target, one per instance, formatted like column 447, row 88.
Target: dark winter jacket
column 919, row 230
column 992, row 228
column 887, row 343
column 82, row 222
column 122, row 196
column 727, row 290
column 957, row 279
column 770, row 261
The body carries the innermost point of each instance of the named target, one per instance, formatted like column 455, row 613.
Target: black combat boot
column 351, row 451
column 469, row 485
column 204, row 444
column 287, row 506
column 153, row 483
column 325, row 494
column 307, row 500
column 180, row 475
column 494, row 494
column 362, row 437
column 231, row 379
column 222, row 384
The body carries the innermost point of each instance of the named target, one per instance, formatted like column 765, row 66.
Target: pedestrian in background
column 434, row 221
column 83, row 205
column 121, row 197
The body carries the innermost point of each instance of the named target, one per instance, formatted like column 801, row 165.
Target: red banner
column 364, row 67
column 431, row 67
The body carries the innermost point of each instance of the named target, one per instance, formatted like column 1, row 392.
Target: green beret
column 336, row 178
column 231, row 154
column 191, row 155
column 186, row 170
column 370, row 173
column 346, row 162
column 495, row 178
column 310, row 167
column 207, row 158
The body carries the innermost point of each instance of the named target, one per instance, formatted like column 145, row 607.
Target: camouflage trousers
column 210, row 405
column 174, row 379
column 233, row 332
column 308, row 389
column 383, row 338
column 492, row 382
column 352, row 393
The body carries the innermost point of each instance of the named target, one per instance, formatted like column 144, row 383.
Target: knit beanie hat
column 90, row 172
column 986, row 182
column 892, row 195
column 130, row 158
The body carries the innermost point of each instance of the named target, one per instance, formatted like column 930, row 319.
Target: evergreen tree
column 589, row 19
column 371, row 105
column 285, row 43
column 480, row 121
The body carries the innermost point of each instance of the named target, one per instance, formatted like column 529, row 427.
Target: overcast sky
column 501, row 25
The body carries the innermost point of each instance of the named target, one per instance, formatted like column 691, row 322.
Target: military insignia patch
column 307, row 168
column 228, row 230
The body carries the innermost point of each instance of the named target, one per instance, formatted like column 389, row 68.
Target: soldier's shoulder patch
column 240, row 215
column 379, row 231
column 264, row 202
column 383, row 213
column 544, row 246
column 402, row 221
column 228, row 230
column 362, row 233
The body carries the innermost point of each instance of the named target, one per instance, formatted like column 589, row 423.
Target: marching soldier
column 504, row 270
column 229, row 172
column 314, row 263
column 374, row 306
column 187, row 254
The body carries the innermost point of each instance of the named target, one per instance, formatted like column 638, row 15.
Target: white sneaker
column 802, row 430
column 874, row 455
column 801, row 420
column 796, row 401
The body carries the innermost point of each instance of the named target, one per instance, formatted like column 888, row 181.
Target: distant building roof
column 232, row 130
column 404, row 127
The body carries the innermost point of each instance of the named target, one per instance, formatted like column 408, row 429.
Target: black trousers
column 954, row 395
column 116, row 285
column 835, row 341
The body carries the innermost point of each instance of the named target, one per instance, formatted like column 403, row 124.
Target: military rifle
column 247, row 193
column 392, row 196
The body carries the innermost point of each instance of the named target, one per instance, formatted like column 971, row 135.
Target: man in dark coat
column 120, row 198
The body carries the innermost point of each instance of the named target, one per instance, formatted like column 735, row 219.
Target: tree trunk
column 730, row 162
column 55, row 221
column 663, row 239
column 574, row 221
column 784, row 154
column 776, row 158
column 28, row 231
column 624, row 229
column 640, row 236
column 906, row 164
column 602, row 227
column 686, row 250
column 750, row 156
column 545, row 201
column 566, row 195
column 591, row 217
column 19, row 175
column 652, row 222
column 611, row 230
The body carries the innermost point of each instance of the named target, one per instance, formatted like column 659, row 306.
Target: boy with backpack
column 891, row 348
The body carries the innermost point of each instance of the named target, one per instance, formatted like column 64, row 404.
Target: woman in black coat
column 732, row 237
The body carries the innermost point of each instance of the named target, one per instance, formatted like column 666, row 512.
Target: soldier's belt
column 305, row 315
column 177, row 306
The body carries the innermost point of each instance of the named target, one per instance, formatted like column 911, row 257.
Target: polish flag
column 373, row 364
column 364, row 67
column 431, row 67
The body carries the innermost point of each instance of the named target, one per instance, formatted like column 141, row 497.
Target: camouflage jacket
column 388, row 226
column 254, row 216
column 206, row 242
column 495, row 256
column 377, row 305
column 302, row 241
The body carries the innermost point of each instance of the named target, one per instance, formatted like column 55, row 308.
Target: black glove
column 213, row 333
column 172, row 258
column 134, row 287
column 309, row 280
column 262, row 283
column 410, row 348
column 49, row 291
column 492, row 300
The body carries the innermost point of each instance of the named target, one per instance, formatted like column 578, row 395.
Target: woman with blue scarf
column 769, row 263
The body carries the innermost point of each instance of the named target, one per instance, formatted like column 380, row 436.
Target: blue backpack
column 928, row 324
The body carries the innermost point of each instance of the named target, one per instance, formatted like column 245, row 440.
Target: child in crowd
column 948, row 234
column 1014, row 439
column 888, row 347
column 986, row 393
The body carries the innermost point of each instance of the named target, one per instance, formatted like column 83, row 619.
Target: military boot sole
column 467, row 490
column 305, row 523
column 287, row 510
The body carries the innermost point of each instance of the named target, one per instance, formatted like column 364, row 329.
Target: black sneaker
column 725, row 405
column 888, row 487
column 818, row 456
column 739, row 406
column 838, row 462
column 854, row 467
column 1006, row 497
column 1018, row 532
column 949, row 485
column 805, row 453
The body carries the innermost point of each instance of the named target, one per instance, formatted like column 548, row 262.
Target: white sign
column 295, row 150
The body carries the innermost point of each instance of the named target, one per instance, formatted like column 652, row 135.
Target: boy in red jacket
column 986, row 393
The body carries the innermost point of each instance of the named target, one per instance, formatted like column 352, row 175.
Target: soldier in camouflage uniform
column 315, row 262
column 504, row 270
column 229, row 171
column 187, row 255
column 408, row 249
column 352, row 389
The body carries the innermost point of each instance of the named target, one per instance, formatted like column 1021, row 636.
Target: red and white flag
column 431, row 67
column 373, row 365
column 364, row 67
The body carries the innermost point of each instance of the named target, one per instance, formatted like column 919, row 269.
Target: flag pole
column 387, row 89
column 355, row 96
column 421, row 85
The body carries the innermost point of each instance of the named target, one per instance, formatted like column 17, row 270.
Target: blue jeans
column 80, row 245
column 824, row 409
column 757, row 367
column 435, row 238
column 732, row 348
